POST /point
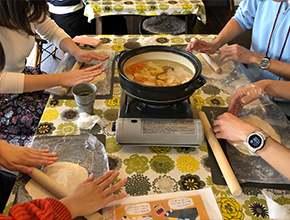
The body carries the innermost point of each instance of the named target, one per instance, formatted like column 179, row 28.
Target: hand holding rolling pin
column 88, row 197
column 201, row 46
column 220, row 157
column 204, row 48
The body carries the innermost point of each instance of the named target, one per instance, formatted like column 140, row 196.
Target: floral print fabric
column 21, row 113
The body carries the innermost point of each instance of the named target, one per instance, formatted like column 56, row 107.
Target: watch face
column 264, row 63
column 255, row 141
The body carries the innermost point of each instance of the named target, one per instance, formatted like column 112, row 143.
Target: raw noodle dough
column 69, row 175
column 255, row 120
column 99, row 78
column 209, row 72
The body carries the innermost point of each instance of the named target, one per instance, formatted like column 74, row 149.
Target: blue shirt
column 260, row 16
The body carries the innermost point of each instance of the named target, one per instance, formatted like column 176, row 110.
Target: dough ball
column 68, row 175
column 255, row 120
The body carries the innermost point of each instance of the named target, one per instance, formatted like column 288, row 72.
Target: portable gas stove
column 146, row 124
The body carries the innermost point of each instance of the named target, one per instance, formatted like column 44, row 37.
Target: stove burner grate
column 134, row 108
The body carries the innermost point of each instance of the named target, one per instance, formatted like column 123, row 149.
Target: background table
column 98, row 8
column 154, row 170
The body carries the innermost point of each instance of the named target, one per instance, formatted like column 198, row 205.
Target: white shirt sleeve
column 11, row 82
column 50, row 31
column 17, row 46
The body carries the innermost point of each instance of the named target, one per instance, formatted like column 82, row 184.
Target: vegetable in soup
column 159, row 73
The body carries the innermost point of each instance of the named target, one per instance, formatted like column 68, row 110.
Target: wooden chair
column 232, row 5
column 40, row 49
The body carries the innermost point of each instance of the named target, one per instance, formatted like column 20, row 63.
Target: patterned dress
column 21, row 113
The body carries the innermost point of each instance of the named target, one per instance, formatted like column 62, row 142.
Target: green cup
column 84, row 95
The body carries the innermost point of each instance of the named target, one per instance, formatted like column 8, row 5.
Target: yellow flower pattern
column 150, row 162
column 50, row 115
column 153, row 14
column 118, row 8
column 199, row 102
column 164, row 7
column 187, row 6
column 187, row 164
column 114, row 102
column 230, row 208
column 117, row 47
column 141, row 8
column 97, row 9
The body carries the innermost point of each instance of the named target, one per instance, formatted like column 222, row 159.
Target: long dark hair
column 17, row 14
column 2, row 58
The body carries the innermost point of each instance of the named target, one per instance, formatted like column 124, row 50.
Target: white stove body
column 159, row 132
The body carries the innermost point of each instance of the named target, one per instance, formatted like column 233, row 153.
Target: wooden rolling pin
column 221, row 159
column 55, row 188
column 211, row 62
column 64, row 90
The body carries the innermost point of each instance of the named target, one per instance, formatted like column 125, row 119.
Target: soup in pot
column 159, row 73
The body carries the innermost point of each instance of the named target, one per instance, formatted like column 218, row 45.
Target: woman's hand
column 93, row 195
column 17, row 158
column 87, row 56
column 84, row 56
column 243, row 96
column 201, row 46
column 74, row 77
column 232, row 128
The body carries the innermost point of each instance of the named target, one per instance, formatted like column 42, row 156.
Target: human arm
column 275, row 88
column 85, row 56
column 242, row 20
column 231, row 30
column 243, row 55
column 249, row 93
column 87, row 198
column 17, row 158
column 68, row 79
column 54, row 34
column 230, row 127
column 92, row 195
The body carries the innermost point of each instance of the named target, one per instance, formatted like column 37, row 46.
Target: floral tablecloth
column 97, row 8
column 153, row 170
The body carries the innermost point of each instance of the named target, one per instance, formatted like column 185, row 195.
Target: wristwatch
column 264, row 63
column 256, row 141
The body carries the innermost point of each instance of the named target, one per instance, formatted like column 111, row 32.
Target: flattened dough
column 255, row 120
column 210, row 73
column 99, row 78
column 69, row 175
